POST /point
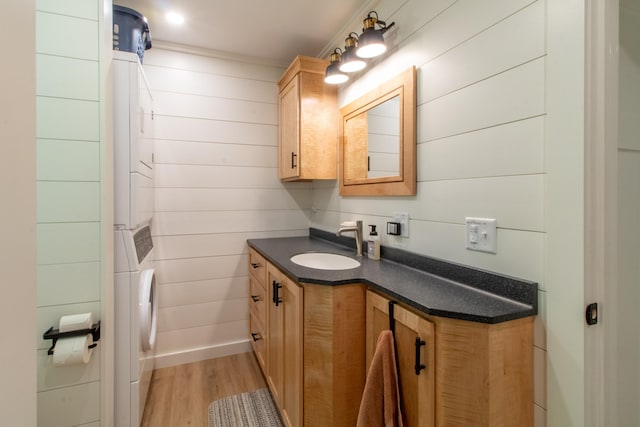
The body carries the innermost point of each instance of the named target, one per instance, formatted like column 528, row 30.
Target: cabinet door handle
column 255, row 265
column 255, row 298
column 276, row 293
column 293, row 160
column 418, row 366
column 256, row 337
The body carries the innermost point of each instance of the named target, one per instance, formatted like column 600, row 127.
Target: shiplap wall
column 68, row 199
column 624, row 392
column 216, row 185
column 480, row 123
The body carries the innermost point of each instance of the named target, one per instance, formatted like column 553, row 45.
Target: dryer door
column 148, row 309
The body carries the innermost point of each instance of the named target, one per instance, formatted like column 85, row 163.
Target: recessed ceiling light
column 175, row 18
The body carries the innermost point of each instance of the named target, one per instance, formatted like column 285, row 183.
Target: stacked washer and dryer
column 135, row 285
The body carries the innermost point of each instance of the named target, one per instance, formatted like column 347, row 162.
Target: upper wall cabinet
column 309, row 121
column 378, row 140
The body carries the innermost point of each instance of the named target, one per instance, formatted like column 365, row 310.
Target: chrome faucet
column 357, row 228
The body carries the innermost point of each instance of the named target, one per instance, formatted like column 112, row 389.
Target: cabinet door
column 292, row 398
column 275, row 342
column 258, row 301
column 284, row 359
column 414, row 340
column 258, row 267
column 258, row 307
column 258, row 340
column 290, row 130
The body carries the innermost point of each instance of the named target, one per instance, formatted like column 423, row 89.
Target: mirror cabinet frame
column 404, row 86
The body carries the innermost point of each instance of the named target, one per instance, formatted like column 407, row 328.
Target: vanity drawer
column 258, row 300
column 258, row 267
column 258, row 340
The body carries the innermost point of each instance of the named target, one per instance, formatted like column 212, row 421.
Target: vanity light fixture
column 334, row 75
column 350, row 61
column 356, row 49
column 371, row 41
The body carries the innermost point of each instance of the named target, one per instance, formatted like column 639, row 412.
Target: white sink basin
column 325, row 261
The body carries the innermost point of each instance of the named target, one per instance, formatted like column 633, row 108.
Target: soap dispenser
column 373, row 244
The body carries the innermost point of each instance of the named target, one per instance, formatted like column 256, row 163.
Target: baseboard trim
column 202, row 353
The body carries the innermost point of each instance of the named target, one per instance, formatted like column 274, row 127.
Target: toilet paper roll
column 75, row 322
column 72, row 351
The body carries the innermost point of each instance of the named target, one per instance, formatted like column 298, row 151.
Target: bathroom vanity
column 464, row 337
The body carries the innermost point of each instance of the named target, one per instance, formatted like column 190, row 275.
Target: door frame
column 601, row 137
column 18, row 190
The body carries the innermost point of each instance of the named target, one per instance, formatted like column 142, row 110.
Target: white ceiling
column 272, row 31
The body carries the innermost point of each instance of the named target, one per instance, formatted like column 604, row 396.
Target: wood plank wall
column 216, row 184
column 69, row 217
column 481, row 146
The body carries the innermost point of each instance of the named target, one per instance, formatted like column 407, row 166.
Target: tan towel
column 380, row 405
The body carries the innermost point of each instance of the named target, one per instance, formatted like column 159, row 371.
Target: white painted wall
column 18, row 235
column 70, row 204
column 481, row 139
column 565, row 211
column 216, row 185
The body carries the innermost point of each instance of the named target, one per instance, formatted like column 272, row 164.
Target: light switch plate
column 403, row 219
column 481, row 234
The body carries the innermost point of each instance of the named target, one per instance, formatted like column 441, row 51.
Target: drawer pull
column 256, row 337
column 255, row 265
column 255, row 298
column 418, row 366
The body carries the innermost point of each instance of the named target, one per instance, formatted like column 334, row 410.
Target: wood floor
column 180, row 395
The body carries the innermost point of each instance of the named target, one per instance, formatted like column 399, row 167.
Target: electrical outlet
column 403, row 219
column 481, row 234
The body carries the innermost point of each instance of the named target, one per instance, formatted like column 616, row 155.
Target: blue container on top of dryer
column 130, row 31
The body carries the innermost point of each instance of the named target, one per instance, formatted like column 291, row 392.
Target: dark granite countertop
column 435, row 287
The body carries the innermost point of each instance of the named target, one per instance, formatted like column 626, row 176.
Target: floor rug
column 251, row 409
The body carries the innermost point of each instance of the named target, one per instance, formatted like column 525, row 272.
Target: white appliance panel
column 133, row 142
column 135, row 297
column 123, row 384
column 141, row 199
column 144, row 154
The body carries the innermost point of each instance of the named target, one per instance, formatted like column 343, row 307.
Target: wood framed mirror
column 378, row 140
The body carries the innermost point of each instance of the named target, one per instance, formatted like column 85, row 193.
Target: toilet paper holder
column 55, row 334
